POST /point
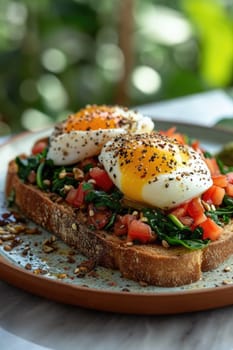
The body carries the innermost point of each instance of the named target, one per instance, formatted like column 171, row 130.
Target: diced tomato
column 39, row 146
column 196, row 146
column 213, row 166
column 80, row 195
column 210, row 229
column 120, row 228
column 76, row 196
column 127, row 219
column 140, row 231
column 71, row 195
column 101, row 178
column 229, row 189
column 196, row 211
column 219, row 195
column 179, row 138
column 214, row 195
column 207, row 195
column 180, row 211
column 220, row 180
column 122, row 224
column 98, row 217
column 230, row 177
column 182, row 215
column 171, row 133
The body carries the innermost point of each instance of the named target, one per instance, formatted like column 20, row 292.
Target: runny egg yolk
column 93, row 118
column 155, row 170
column 142, row 162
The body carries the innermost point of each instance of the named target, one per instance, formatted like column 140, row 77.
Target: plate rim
column 103, row 301
column 117, row 301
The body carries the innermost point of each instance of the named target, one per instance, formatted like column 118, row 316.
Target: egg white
column 183, row 180
column 67, row 148
column 73, row 147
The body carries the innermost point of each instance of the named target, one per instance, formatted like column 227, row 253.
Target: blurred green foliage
column 56, row 56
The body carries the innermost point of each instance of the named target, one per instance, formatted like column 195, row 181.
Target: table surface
column 30, row 322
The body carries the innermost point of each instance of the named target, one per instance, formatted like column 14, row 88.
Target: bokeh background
column 56, row 56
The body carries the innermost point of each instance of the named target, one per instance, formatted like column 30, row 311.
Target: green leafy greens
column 103, row 199
column 26, row 165
column 45, row 170
column 224, row 212
column 58, row 182
column 173, row 233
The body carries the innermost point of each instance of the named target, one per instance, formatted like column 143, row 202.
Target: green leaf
column 25, row 166
column 191, row 244
column 39, row 179
column 103, row 199
column 111, row 221
column 225, row 158
column 174, row 233
column 176, row 221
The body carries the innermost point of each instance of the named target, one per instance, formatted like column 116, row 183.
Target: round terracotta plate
column 51, row 275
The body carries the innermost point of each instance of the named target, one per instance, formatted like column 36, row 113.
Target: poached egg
column 84, row 133
column 155, row 170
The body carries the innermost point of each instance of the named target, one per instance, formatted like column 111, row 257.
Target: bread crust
column 153, row 264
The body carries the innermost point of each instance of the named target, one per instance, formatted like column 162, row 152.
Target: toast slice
column 150, row 263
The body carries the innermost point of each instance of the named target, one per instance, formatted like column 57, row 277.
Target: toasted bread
column 151, row 263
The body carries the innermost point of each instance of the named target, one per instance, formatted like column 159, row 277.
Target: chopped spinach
column 207, row 154
column 223, row 168
column 224, row 213
column 26, row 165
column 45, row 170
column 174, row 234
column 39, row 178
column 103, row 199
column 87, row 167
column 59, row 183
column 111, row 222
